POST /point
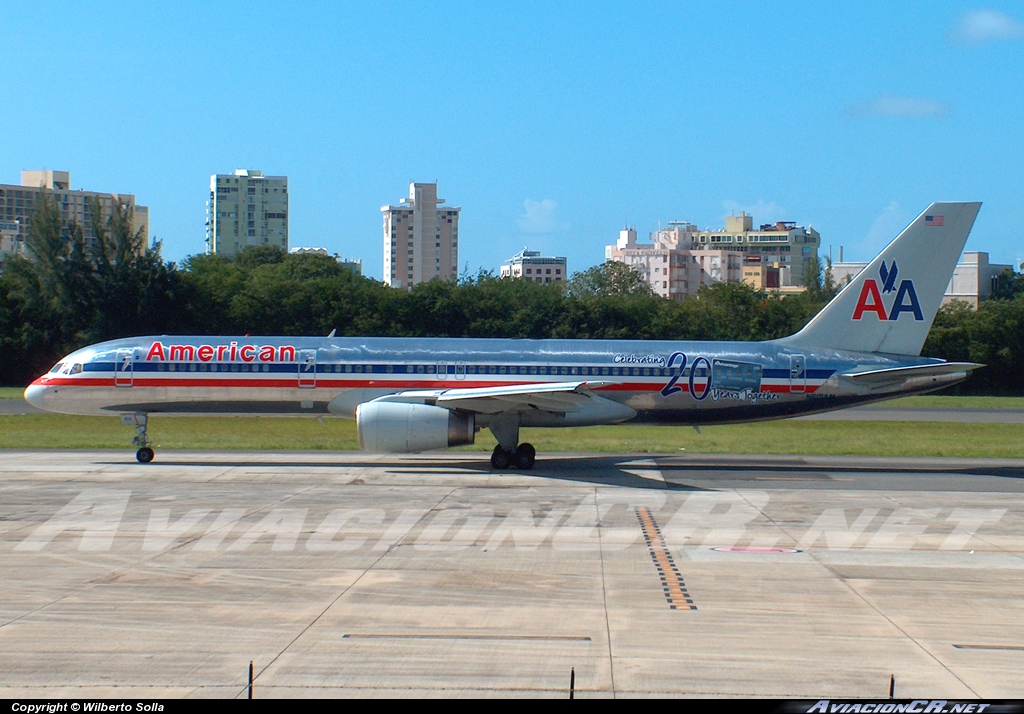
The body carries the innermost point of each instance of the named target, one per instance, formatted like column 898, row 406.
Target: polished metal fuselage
column 680, row 382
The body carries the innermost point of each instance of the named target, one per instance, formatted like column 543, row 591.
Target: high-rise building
column 246, row 208
column 421, row 238
column 531, row 265
column 682, row 257
column 17, row 202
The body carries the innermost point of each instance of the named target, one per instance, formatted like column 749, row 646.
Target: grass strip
column 864, row 438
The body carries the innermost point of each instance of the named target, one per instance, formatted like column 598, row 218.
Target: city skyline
column 551, row 127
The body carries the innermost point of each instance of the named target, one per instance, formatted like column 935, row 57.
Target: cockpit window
column 56, row 367
column 77, row 369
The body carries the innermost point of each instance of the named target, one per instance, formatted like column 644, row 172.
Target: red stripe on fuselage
column 323, row 383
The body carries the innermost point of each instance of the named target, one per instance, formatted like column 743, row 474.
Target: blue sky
column 551, row 126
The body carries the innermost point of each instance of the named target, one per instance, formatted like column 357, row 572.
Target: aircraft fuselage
column 672, row 382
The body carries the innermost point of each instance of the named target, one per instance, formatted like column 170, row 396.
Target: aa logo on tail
column 871, row 301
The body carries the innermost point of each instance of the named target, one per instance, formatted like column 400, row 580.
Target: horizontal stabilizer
column 877, row 376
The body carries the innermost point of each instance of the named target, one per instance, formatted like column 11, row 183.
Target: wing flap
column 558, row 397
column 550, row 397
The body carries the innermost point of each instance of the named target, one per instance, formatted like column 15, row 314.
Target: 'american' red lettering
column 160, row 352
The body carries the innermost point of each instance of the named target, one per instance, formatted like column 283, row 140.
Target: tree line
column 67, row 293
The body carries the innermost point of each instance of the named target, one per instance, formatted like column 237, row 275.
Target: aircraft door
column 797, row 374
column 460, row 370
column 124, row 368
column 442, row 370
column 307, row 369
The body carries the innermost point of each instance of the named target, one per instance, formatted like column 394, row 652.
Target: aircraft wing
column 878, row 376
column 549, row 397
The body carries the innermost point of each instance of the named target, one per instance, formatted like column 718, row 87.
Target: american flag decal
column 934, row 221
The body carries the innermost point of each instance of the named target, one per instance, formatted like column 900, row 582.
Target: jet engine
column 390, row 427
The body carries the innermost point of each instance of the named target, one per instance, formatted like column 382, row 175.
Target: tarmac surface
column 346, row 574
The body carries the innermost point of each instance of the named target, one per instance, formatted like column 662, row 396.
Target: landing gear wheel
column 500, row 459
column 144, row 455
column 525, row 457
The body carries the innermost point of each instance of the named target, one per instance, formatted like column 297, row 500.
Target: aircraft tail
column 890, row 305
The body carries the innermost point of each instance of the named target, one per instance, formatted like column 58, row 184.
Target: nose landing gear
column 145, row 453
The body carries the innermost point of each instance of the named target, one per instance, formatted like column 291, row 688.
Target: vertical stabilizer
column 890, row 305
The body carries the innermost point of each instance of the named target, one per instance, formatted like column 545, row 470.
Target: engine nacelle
column 392, row 427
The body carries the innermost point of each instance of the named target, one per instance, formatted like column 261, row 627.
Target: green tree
column 67, row 293
column 609, row 279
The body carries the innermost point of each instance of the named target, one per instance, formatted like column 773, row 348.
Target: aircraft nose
column 34, row 395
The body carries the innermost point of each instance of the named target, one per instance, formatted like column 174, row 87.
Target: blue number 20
column 671, row 387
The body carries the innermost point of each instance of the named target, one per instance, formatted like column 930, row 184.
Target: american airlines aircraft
column 416, row 394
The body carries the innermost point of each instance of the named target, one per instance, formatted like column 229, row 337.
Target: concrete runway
column 343, row 574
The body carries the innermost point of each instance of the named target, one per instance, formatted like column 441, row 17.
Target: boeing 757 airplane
column 416, row 394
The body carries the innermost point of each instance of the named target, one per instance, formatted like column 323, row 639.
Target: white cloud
column 979, row 27
column 761, row 212
column 539, row 217
column 891, row 105
column 887, row 226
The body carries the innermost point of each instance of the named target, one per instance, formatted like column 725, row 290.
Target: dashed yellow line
column 671, row 579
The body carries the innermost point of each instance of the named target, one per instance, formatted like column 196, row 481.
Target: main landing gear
column 509, row 453
column 523, row 457
column 145, row 453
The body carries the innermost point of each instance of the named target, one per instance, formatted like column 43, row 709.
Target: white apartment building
column 681, row 258
column 531, row 265
column 666, row 264
column 973, row 279
column 246, row 208
column 17, row 202
column 421, row 238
